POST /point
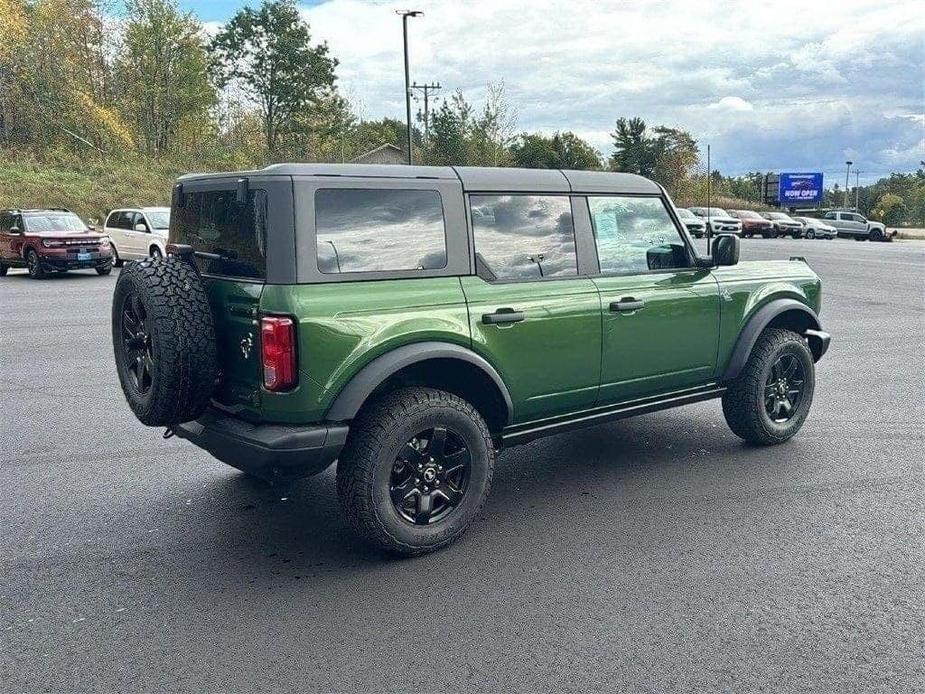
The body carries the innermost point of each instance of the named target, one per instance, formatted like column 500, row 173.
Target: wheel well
column 795, row 320
column 454, row 376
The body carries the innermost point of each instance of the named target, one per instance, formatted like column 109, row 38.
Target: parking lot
column 657, row 553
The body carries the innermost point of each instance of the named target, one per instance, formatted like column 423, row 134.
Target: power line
column 427, row 89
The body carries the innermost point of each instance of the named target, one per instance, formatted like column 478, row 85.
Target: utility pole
column 427, row 89
column 847, row 173
column 404, row 14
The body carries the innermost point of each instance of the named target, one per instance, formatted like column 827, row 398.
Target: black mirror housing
column 725, row 250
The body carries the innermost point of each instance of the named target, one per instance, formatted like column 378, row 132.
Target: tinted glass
column 214, row 222
column 379, row 230
column 4, row 222
column 54, row 221
column 520, row 237
column 635, row 235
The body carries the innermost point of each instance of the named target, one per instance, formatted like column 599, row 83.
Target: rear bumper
column 270, row 451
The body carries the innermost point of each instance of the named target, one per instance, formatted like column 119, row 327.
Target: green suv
column 409, row 322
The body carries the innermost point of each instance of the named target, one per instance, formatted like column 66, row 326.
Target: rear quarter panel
column 344, row 326
column 746, row 287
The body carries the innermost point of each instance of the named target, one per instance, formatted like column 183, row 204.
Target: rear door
column 531, row 314
column 235, row 262
column 660, row 315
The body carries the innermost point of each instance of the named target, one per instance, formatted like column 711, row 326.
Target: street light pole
column 404, row 29
column 847, row 172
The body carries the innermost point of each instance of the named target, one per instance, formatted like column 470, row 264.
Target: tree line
column 149, row 83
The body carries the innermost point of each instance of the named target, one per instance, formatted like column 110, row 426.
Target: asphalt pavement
column 653, row 554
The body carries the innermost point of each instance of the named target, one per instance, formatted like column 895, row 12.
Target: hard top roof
column 474, row 179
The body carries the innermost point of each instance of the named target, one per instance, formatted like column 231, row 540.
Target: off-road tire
column 365, row 465
column 104, row 269
column 34, row 265
column 743, row 402
column 182, row 340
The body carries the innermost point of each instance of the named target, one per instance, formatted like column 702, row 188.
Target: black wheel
column 416, row 470
column 104, row 269
column 3, row 269
column 156, row 252
column 163, row 340
column 34, row 265
column 876, row 235
column 116, row 260
column 769, row 400
column 810, row 234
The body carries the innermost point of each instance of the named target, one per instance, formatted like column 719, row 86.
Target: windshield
column 686, row 214
column 54, row 221
column 779, row 215
column 160, row 219
column 748, row 214
column 718, row 212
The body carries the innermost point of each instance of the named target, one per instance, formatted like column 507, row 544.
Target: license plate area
column 84, row 256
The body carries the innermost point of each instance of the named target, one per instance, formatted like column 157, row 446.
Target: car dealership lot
column 658, row 552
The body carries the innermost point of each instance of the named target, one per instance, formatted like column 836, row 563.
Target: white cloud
column 767, row 84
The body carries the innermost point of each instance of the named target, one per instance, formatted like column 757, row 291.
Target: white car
column 816, row 228
column 718, row 220
column 137, row 232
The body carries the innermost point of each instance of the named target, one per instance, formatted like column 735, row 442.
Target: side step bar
column 523, row 433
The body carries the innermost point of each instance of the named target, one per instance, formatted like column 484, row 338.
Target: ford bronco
column 409, row 322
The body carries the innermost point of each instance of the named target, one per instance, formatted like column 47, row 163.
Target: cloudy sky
column 778, row 85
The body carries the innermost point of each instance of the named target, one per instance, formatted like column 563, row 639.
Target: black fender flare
column 758, row 322
column 351, row 398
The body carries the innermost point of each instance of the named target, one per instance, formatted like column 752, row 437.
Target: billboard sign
column 799, row 189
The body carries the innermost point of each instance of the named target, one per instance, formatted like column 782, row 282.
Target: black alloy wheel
column 136, row 344
column 430, row 476
column 34, row 265
column 783, row 389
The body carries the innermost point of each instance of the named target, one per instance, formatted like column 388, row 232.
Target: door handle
column 503, row 315
column 627, row 303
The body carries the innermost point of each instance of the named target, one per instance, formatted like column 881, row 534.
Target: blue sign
column 797, row 189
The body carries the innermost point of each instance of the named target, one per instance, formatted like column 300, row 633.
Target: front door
column 660, row 315
column 530, row 314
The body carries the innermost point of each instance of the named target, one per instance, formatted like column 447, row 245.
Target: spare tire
column 163, row 339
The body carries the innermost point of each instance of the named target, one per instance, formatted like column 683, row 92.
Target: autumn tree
column 162, row 72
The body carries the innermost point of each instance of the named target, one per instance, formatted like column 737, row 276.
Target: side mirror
column 725, row 250
column 141, row 226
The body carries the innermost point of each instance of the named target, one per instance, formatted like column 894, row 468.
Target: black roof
column 474, row 179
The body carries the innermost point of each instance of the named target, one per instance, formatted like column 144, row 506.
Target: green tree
column 561, row 151
column 267, row 53
column 890, row 209
column 493, row 131
column 450, row 131
column 633, row 151
column 163, row 74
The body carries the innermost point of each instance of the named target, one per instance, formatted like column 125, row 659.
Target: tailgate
column 237, row 332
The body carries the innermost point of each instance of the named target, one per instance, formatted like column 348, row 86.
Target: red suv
column 54, row 240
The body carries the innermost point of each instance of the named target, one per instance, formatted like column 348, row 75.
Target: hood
column 77, row 235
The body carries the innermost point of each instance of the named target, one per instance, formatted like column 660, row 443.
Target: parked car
column 753, row 223
column 857, row 226
column 351, row 313
column 51, row 240
column 784, row 224
column 816, row 228
column 694, row 224
column 718, row 220
column 138, row 232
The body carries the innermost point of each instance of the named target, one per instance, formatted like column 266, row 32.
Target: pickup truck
column 857, row 226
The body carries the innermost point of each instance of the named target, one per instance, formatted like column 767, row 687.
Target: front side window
column 379, row 230
column 233, row 234
column 522, row 237
column 635, row 235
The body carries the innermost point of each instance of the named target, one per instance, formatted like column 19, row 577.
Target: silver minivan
column 137, row 232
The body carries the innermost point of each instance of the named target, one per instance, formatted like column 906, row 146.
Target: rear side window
column 635, row 235
column 232, row 234
column 523, row 237
column 385, row 230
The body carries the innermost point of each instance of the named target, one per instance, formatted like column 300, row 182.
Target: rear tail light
column 278, row 353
